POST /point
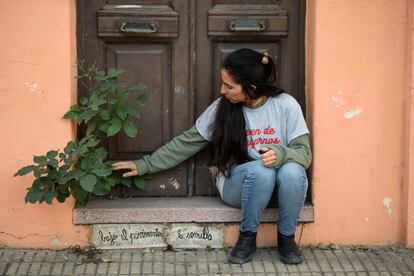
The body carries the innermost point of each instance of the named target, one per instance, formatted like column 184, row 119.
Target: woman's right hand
column 126, row 165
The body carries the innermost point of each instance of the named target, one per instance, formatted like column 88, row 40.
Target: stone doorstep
column 178, row 222
column 169, row 210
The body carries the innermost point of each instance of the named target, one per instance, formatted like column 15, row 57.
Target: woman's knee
column 292, row 176
column 262, row 175
column 251, row 176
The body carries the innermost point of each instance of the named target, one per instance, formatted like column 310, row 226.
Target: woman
column 259, row 140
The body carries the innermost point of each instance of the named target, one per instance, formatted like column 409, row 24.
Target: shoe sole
column 286, row 261
column 235, row 260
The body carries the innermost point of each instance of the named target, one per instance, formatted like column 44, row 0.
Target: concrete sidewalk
column 321, row 260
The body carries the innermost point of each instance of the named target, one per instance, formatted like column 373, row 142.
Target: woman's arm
column 298, row 151
column 174, row 152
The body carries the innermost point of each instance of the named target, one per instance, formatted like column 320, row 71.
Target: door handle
column 139, row 27
column 247, row 25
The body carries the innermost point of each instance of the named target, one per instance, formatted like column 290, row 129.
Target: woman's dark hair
column 229, row 140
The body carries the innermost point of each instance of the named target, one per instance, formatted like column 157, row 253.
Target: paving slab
column 346, row 260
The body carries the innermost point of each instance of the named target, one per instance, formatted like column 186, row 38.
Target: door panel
column 154, row 130
column 140, row 2
column 229, row 25
column 245, row 2
column 149, row 40
column 132, row 21
column 255, row 20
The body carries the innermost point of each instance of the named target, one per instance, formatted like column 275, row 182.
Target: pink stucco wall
column 408, row 169
column 37, row 53
column 359, row 71
column 356, row 89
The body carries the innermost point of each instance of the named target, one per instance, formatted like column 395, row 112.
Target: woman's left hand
column 268, row 156
column 127, row 165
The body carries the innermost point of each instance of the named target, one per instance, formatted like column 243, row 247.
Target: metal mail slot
column 159, row 21
column 235, row 20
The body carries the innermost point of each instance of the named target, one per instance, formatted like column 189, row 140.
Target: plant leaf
column 104, row 115
column 132, row 110
column 104, row 86
column 81, row 150
column 100, row 153
column 70, row 147
column 91, row 128
column 124, row 95
column 126, row 181
column 86, row 115
column 97, row 103
column 53, row 162
column 41, row 160
column 75, row 108
column 101, row 188
column 121, row 111
column 49, row 197
column 102, row 171
column 104, row 127
column 92, row 142
column 139, row 182
column 130, row 129
column 53, row 174
column 113, row 72
column 113, row 101
column 25, row 170
column 110, row 181
column 70, row 115
column 51, row 154
column 83, row 101
column 68, row 163
column 61, row 197
column 94, row 96
column 83, row 140
column 87, row 182
column 143, row 97
column 37, row 172
column 33, row 196
column 81, row 195
column 114, row 87
column 77, row 173
column 47, row 183
column 115, row 126
column 100, row 74
column 86, row 164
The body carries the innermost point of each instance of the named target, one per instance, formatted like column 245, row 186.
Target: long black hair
column 229, row 141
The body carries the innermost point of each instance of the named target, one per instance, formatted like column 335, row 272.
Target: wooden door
column 275, row 26
column 176, row 48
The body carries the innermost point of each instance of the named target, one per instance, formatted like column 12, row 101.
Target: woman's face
column 230, row 89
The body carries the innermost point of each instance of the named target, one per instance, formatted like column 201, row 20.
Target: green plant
column 80, row 169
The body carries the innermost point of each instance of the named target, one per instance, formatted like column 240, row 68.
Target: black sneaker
column 244, row 249
column 288, row 249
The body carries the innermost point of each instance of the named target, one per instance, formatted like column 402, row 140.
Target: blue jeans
column 250, row 187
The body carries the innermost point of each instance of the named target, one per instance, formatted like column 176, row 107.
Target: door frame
column 81, row 46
